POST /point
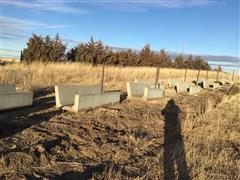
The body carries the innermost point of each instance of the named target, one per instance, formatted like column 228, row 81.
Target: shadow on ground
column 174, row 153
column 15, row 121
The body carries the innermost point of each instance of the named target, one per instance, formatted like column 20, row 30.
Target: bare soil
column 130, row 140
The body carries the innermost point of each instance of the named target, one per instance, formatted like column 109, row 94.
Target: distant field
column 4, row 59
column 43, row 75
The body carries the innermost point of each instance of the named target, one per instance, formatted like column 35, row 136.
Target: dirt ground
column 130, row 140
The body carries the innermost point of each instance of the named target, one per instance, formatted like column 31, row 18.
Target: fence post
column 207, row 75
column 157, row 76
column 102, row 80
column 198, row 75
column 185, row 75
column 233, row 75
column 217, row 74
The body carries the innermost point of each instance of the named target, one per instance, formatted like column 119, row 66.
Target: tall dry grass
column 40, row 74
column 213, row 144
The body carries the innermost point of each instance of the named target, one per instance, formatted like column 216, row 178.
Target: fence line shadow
column 175, row 165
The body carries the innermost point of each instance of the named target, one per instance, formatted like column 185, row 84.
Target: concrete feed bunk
column 65, row 95
column 7, row 88
column 150, row 93
column 83, row 97
column 147, row 82
column 194, row 89
column 172, row 82
column 141, row 90
column 85, row 102
column 182, row 87
column 135, row 89
column 10, row 99
column 150, row 83
column 15, row 100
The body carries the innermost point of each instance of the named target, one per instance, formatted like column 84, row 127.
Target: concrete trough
column 150, row 93
column 206, row 84
column 147, row 82
column 65, row 94
column 216, row 85
column 7, row 88
column 194, row 90
column 15, row 100
column 135, row 89
column 85, row 102
column 172, row 82
column 150, row 83
column 182, row 87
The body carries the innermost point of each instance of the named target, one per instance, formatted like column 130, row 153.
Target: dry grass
column 124, row 142
column 39, row 74
column 213, row 145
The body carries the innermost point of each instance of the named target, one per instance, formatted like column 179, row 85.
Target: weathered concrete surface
column 223, row 81
column 85, row 102
column 206, row 84
column 182, row 87
column 194, row 89
column 150, row 93
column 7, row 88
column 148, row 82
column 172, row 82
column 65, row 94
column 135, row 89
column 161, row 86
column 15, row 100
column 216, row 85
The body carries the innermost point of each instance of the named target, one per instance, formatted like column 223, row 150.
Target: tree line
column 46, row 49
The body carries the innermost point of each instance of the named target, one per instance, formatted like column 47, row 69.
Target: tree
column 179, row 62
column 44, row 49
column 163, row 60
column 189, row 62
column 146, row 56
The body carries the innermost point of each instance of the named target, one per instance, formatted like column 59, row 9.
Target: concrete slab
column 150, row 83
column 194, row 89
column 135, row 89
column 206, row 84
column 85, row 102
column 230, row 82
column 65, row 94
column 182, row 87
column 223, row 81
column 150, row 93
column 216, row 85
column 7, row 88
column 161, row 86
column 172, row 82
column 15, row 100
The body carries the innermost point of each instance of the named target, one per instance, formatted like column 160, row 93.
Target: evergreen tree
column 163, row 60
column 146, row 56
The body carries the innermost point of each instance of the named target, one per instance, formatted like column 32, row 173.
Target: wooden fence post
column 185, row 75
column 198, row 75
column 157, row 76
column 217, row 74
column 102, row 80
column 233, row 75
column 207, row 75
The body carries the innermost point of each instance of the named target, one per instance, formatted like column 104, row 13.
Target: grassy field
column 43, row 75
column 176, row 137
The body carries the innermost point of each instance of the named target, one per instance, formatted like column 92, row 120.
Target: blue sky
column 194, row 26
